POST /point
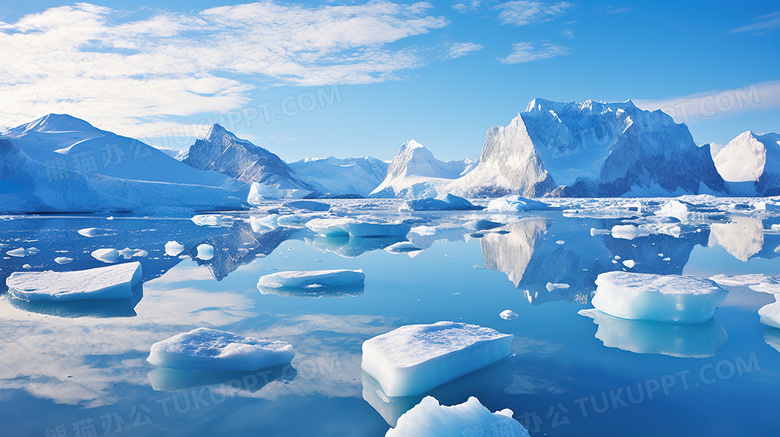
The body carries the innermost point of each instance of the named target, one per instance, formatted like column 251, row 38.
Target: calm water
column 71, row 370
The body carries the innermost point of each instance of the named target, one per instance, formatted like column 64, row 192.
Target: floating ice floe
column 403, row 247
column 449, row 203
column 684, row 340
column 413, row 359
column 662, row 298
column 630, row 232
column 96, row 232
column 550, row 286
column 213, row 220
column 107, row 255
column 358, row 229
column 21, row 252
column 756, row 282
column 675, row 209
column 430, row 419
column 770, row 315
column 508, row 315
column 516, row 204
column 213, row 350
column 313, row 283
column 630, row 263
column 173, row 248
column 205, row 251
column 111, row 282
column 63, row 260
column 308, row 205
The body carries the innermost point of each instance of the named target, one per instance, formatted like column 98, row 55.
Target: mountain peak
column 412, row 144
column 57, row 123
column 217, row 133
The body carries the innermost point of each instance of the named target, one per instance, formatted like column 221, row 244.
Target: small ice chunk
column 63, row 260
column 308, row 205
column 663, row 298
column 173, row 248
column 213, row 220
column 26, row 266
column 95, row 232
column 594, row 232
column 313, row 279
column 630, row 263
column 413, row 359
column 107, row 255
column 550, row 286
column 630, row 232
column 403, row 247
column 450, row 203
column 560, row 242
column 516, row 204
column 205, row 251
column 430, row 419
column 110, row 282
column 20, row 252
column 213, row 350
column 508, row 315
column 358, row 229
column 770, row 315
column 675, row 209
column 32, row 250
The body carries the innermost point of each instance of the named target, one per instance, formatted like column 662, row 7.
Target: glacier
column 341, row 176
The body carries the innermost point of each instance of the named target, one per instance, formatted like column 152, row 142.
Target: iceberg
column 413, row 359
column 173, row 248
column 212, row 350
column 449, row 203
column 95, row 232
column 430, row 419
column 313, row 283
column 508, row 315
column 683, row 340
column 63, row 260
column 357, row 228
column 111, row 282
column 770, row 315
column 662, row 298
column 753, row 160
column 675, row 209
column 107, row 255
column 205, row 251
column 403, row 247
column 516, row 204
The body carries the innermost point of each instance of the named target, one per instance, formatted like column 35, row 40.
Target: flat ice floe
column 213, row 350
column 95, row 232
column 516, row 204
column 21, row 252
column 403, row 247
column 662, row 298
column 770, row 315
column 756, row 282
column 449, row 203
column 173, row 248
column 413, row 359
column 63, row 260
column 684, row 340
column 111, row 282
column 313, row 282
column 358, row 229
column 107, row 255
column 430, row 419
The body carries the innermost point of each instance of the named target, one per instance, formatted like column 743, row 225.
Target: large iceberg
column 449, row 203
column 213, row 350
column 358, row 228
column 313, row 282
column 770, row 315
column 112, row 282
column 752, row 162
column 429, row 419
column 516, row 204
column 662, row 298
column 413, row 359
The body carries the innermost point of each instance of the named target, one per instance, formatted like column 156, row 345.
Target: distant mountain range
column 60, row 163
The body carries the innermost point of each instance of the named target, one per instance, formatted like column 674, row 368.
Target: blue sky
column 363, row 79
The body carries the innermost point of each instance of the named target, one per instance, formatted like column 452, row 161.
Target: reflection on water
column 695, row 340
column 81, row 356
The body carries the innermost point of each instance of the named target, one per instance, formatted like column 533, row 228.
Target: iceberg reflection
column 695, row 340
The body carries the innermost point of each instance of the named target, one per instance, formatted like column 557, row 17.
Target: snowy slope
column 752, row 158
column 223, row 152
column 346, row 176
column 61, row 163
column 415, row 172
column 590, row 149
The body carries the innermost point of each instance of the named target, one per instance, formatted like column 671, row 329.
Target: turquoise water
column 70, row 370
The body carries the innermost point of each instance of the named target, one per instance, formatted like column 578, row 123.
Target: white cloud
column 470, row 6
column 525, row 52
column 132, row 74
column 567, row 33
column 764, row 22
column 520, row 13
column 458, row 49
column 702, row 106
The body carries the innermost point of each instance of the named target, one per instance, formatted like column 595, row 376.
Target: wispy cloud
column 525, row 52
column 719, row 103
column 567, row 33
column 521, row 13
column 764, row 22
column 469, row 6
column 458, row 49
column 135, row 70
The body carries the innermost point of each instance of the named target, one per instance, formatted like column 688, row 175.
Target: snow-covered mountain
column 62, row 163
column 347, row 176
column 415, row 172
column 754, row 159
column 223, row 152
column 590, row 149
